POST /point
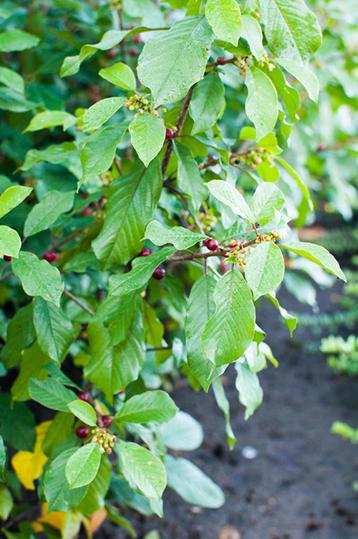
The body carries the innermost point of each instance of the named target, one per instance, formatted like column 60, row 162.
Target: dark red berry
column 87, row 212
column 50, row 256
column 84, row 396
column 111, row 53
column 106, row 421
column 212, row 245
column 145, row 252
column 7, row 258
column 169, row 134
column 223, row 266
column 133, row 52
column 320, row 148
column 221, row 61
column 159, row 273
column 82, row 432
column 137, row 39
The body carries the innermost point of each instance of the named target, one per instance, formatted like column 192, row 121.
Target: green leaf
column 173, row 61
column 207, row 103
column 141, row 272
column 32, row 365
column 200, row 308
column 113, row 366
column 51, row 118
column 20, row 335
column 44, row 214
column 291, row 29
column 10, row 242
column 17, row 40
column 142, row 469
column 101, row 112
column 60, row 430
column 248, row 386
column 120, row 75
column 51, row 393
column 261, row 105
column 182, row 433
column 65, row 154
column 38, row 277
column 12, row 80
column 307, row 204
column 317, row 254
column 189, row 178
column 230, row 330
column 83, row 411
column 192, row 484
column 54, row 330
column 57, row 492
column 231, row 197
column 12, row 197
column 304, row 75
column 182, row 238
column 97, row 490
column 266, row 201
column 15, row 102
column 147, row 136
column 149, row 406
column 265, row 269
column 6, row 502
column 98, row 150
column 224, row 17
column 132, row 201
column 17, row 424
column 251, row 31
column 83, row 465
column 224, row 406
column 110, row 39
column 289, row 320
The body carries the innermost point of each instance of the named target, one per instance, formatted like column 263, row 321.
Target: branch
column 221, row 251
column 178, row 125
column 78, row 302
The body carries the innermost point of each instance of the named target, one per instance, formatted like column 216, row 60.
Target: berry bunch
column 104, row 439
column 252, row 158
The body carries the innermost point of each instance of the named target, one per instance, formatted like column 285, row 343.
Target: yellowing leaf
column 95, row 521
column 27, row 465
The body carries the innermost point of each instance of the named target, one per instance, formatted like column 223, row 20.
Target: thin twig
column 78, row 302
column 221, row 251
column 178, row 126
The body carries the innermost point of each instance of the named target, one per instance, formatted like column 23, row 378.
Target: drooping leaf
column 304, row 75
column 289, row 319
column 262, row 101
column 54, row 330
column 147, row 135
column 291, row 29
column 120, row 75
column 65, row 154
column 224, row 406
column 38, row 277
column 173, row 61
column 200, row 308
column 248, row 386
column 149, row 406
column 182, row 238
column 230, row 330
column 265, row 269
column 192, row 484
column 142, row 469
column 317, row 254
column 130, row 207
column 224, row 17
column 10, row 241
column 47, row 211
column 207, row 102
column 6, row 502
column 82, row 466
column 182, row 433
column 12, row 80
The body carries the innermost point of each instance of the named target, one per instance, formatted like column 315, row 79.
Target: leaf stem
column 78, row 302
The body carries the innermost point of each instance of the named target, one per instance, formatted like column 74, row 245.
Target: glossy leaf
column 83, row 411
column 82, row 466
column 47, row 211
column 262, row 102
column 182, row 238
column 317, row 254
column 10, row 241
column 207, row 102
column 12, row 197
column 147, row 135
column 149, row 406
column 224, row 17
column 51, row 394
column 265, row 269
column 101, row 112
column 120, row 75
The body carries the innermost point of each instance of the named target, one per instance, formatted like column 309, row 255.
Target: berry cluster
column 140, row 105
column 104, row 439
column 252, row 158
